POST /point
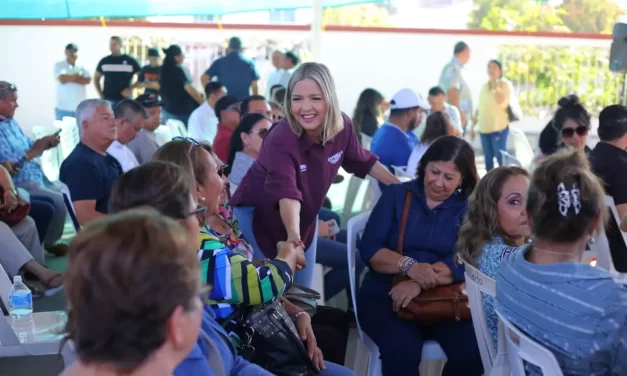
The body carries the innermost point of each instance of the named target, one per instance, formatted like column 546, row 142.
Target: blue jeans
column 492, row 144
column 59, row 114
column 165, row 116
column 244, row 215
column 42, row 211
column 335, row 370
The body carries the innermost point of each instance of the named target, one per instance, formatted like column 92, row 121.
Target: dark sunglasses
column 277, row 118
column 262, row 132
column 8, row 86
column 570, row 132
column 222, row 169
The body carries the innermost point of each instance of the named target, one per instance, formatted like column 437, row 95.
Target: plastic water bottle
column 20, row 299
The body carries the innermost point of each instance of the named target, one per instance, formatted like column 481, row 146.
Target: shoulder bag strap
column 401, row 231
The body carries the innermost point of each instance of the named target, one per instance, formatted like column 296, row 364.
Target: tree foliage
column 579, row 16
column 358, row 15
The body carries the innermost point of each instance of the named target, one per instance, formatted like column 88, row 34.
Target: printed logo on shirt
column 336, row 157
column 303, row 168
column 117, row 68
column 507, row 251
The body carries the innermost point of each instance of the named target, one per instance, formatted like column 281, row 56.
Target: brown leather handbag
column 442, row 303
column 17, row 214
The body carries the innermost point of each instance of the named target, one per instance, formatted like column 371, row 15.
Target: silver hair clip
column 568, row 199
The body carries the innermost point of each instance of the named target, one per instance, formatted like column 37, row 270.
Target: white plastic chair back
column 49, row 160
column 401, row 173
column 366, row 141
column 510, row 160
column 177, row 127
column 5, row 286
column 602, row 246
column 69, row 137
column 65, row 191
column 521, row 348
column 372, row 194
column 477, row 283
column 354, row 183
column 522, row 148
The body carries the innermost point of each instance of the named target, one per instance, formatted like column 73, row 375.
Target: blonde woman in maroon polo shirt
column 280, row 196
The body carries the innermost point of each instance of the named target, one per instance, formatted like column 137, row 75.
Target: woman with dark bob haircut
column 132, row 287
column 438, row 199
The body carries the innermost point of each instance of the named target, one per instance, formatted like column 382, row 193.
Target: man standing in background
column 118, row 70
column 452, row 82
column 290, row 62
column 274, row 78
column 71, row 81
column 203, row 122
column 236, row 72
column 149, row 75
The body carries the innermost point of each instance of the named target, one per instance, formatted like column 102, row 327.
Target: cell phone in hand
column 335, row 228
column 57, row 133
column 20, row 162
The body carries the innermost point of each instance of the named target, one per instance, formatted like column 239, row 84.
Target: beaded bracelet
column 408, row 266
column 404, row 264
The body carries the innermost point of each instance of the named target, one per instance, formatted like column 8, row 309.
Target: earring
column 202, row 199
column 591, row 240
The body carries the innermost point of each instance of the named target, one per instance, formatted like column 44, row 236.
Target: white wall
column 386, row 61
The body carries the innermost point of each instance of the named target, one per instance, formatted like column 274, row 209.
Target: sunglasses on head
column 277, row 118
column 8, row 86
column 262, row 132
column 188, row 139
column 570, row 132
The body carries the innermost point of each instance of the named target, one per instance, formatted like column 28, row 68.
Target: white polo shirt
column 203, row 123
column 123, row 155
column 70, row 94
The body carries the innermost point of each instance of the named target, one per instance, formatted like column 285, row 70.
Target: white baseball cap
column 407, row 98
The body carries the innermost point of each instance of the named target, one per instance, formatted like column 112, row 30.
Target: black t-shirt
column 118, row 73
column 175, row 99
column 610, row 164
column 90, row 176
column 149, row 74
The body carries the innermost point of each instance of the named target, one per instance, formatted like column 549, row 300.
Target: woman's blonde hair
column 481, row 222
column 333, row 122
column 565, row 197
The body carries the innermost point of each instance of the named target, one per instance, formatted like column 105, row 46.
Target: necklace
column 569, row 256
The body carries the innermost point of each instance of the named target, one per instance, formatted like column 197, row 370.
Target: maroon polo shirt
column 295, row 167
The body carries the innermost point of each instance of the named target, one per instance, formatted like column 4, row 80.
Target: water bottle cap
column 17, row 278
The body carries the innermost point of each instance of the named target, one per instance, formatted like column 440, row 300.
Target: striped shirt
column 575, row 310
column 234, row 278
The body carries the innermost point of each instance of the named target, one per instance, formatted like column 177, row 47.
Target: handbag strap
column 401, row 231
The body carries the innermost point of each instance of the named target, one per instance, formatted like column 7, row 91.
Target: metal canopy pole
column 316, row 30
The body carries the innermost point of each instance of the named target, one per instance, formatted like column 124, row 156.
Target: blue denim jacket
column 216, row 349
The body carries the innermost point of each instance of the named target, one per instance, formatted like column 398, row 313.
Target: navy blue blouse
column 430, row 234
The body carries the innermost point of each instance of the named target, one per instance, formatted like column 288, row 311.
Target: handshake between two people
column 292, row 252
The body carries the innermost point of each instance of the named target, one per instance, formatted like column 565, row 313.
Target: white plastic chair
column 510, row 160
column 522, row 148
column 477, row 283
column 602, row 246
column 521, row 348
column 41, row 335
column 177, row 127
column 69, row 205
column 431, row 350
column 401, row 173
column 366, row 141
column 49, row 160
column 69, row 136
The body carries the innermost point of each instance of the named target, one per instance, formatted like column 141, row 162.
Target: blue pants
column 59, row 114
column 400, row 341
column 244, row 215
column 41, row 210
column 492, row 144
column 335, row 370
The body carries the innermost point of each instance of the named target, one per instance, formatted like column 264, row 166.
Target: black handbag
column 270, row 340
column 511, row 115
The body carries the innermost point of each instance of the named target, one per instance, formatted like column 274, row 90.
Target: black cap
column 153, row 52
column 149, row 100
column 224, row 103
column 235, row 43
column 71, row 46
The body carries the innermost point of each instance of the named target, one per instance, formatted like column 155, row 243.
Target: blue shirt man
column 455, row 86
column 236, row 72
column 394, row 141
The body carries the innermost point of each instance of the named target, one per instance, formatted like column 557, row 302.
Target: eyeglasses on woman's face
column 200, row 214
column 261, row 132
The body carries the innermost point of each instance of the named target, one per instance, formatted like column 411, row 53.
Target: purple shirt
column 296, row 168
